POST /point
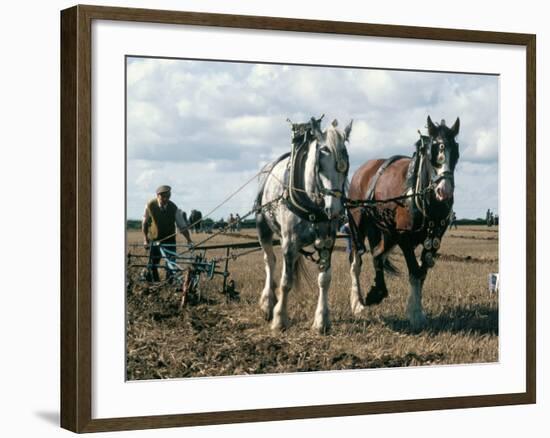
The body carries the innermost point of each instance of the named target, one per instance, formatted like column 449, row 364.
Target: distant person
column 489, row 217
column 159, row 223
column 231, row 221
column 238, row 222
column 453, row 221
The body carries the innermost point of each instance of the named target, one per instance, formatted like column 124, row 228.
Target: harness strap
column 268, row 170
column 379, row 172
column 297, row 200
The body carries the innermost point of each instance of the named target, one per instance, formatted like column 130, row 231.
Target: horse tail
column 301, row 274
column 389, row 267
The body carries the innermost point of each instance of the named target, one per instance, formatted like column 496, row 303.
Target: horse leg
column 378, row 290
column 379, row 246
column 356, row 297
column 267, row 297
column 417, row 275
column 321, row 323
column 280, row 314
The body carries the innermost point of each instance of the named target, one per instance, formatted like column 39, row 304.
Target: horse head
column 331, row 165
column 443, row 152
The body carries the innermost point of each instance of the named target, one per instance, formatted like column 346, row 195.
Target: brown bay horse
column 424, row 186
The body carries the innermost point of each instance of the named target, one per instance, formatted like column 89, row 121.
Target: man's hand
column 187, row 236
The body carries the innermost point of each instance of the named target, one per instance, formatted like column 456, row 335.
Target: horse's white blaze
column 414, row 306
column 444, row 189
column 333, row 205
column 355, row 296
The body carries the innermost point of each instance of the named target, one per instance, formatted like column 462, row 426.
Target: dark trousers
column 156, row 258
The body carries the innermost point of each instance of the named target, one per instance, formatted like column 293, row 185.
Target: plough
column 185, row 264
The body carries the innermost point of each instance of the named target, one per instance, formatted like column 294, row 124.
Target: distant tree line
column 133, row 224
column 478, row 221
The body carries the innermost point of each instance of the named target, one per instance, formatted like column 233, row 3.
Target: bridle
column 435, row 177
column 298, row 199
column 425, row 156
column 447, row 174
column 341, row 166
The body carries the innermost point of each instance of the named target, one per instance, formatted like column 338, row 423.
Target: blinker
column 342, row 166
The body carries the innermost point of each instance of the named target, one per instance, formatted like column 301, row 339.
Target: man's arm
column 183, row 226
column 145, row 226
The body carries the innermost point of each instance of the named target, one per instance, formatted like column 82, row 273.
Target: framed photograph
column 268, row 219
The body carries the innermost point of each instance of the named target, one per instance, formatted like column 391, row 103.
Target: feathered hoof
column 279, row 324
column 417, row 320
column 357, row 309
column 375, row 296
column 266, row 307
column 321, row 328
column 267, row 314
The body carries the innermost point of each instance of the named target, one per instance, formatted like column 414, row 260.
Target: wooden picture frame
column 76, row 218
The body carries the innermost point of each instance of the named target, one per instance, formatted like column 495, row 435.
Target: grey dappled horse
column 301, row 194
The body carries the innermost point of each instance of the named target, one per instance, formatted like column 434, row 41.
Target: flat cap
column 163, row 189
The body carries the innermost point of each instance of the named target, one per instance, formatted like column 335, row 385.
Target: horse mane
column 266, row 170
column 301, row 133
column 334, row 135
column 424, row 138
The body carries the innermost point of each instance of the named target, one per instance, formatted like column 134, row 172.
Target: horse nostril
column 443, row 193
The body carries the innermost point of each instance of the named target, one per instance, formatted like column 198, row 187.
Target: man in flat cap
column 160, row 219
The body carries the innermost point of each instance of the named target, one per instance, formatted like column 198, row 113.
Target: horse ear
column 432, row 129
column 456, row 127
column 334, row 123
column 347, row 130
column 316, row 127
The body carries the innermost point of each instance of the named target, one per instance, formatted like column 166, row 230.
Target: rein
column 297, row 198
column 422, row 189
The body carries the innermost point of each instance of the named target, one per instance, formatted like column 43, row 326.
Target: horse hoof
column 266, row 306
column 375, row 296
column 268, row 315
column 418, row 321
column 357, row 309
column 321, row 329
column 279, row 324
column 279, row 328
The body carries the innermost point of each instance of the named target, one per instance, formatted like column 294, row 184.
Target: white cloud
column 195, row 120
column 251, row 130
column 262, row 75
column 485, row 146
column 378, row 87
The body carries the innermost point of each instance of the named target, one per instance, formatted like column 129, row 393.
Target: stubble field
column 213, row 336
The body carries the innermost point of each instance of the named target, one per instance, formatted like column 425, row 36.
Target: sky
column 207, row 127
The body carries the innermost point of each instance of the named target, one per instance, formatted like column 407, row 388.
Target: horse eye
column 325, row 150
